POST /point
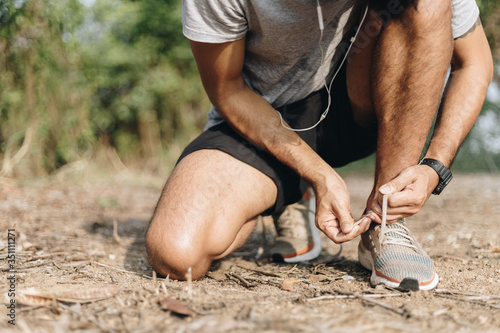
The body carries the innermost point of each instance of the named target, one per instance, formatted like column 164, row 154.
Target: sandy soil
column 65, row 245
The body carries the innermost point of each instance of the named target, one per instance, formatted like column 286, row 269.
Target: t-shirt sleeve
column 213, row 21
column 465, row 14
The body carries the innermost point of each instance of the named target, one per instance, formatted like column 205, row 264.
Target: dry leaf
column 218, row 276
column 495, row 249
column 288, row 284
column 171, row 304
column 317, row 277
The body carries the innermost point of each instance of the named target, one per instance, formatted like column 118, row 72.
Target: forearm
column 256, row 120
column 220, row 67
column 460, row 108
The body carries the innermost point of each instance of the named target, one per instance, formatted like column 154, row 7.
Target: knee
column 173, row 255
column 426, row 16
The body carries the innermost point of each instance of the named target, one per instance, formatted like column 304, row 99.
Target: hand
column 408, row 193
column 333, row 215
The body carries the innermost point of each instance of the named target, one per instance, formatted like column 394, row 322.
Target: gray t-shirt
column 282, row 56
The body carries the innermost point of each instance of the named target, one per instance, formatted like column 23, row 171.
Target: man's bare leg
column 411, row 59
column 395, row 80
column 408, row 68
column 206, row 211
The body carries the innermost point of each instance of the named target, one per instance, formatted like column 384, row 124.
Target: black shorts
column 337, row 139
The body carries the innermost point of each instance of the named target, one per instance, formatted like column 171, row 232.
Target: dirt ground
column 91, row 277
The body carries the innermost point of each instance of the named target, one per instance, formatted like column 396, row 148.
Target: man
column 259, row 56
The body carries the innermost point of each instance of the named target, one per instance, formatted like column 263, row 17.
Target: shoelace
column 393, row 236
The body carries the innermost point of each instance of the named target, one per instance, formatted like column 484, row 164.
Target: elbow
column 484, row 73
column 225, row 98
column 488, row 68
column 489, row 72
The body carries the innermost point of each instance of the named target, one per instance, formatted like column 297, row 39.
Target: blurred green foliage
column 114, row 81
column 91, row 79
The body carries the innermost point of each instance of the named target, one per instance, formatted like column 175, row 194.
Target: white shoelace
column 393, row 236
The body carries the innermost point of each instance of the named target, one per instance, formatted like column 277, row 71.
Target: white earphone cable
column 327, row 87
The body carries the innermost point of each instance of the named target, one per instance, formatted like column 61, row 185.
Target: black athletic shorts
column 337, row 139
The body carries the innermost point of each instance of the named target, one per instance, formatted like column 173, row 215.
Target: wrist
column 316, row 172
column 444, row 175
column 432, row 176
column 322, row 179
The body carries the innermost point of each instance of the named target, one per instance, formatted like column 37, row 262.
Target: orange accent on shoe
column 396, row 281
column 301, row 252
column 307, row 195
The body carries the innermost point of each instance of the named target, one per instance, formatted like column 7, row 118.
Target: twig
column 55, row 264
column 320, row 298
column 259, row 271
column 260, row 250
column 444, row 256
column 115, row 232
column 46, row 255
column 440, row 312
column 290, row 270
column 92, row 320
column 468, row 297
column 122, row 270
column 263, row 281
column 241, row 279
column 456, row 292
column 374, row 302
column 384, row 305
column 164, row 287
column 189, row 277
column 485, row 251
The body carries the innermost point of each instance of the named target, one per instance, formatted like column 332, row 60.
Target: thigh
column 341, row 139
column 359, row 71
column 207, row 201
column 223, row 138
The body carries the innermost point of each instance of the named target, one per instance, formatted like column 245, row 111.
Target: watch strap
column 445, row 175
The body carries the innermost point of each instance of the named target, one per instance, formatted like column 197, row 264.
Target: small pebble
column 348, row 277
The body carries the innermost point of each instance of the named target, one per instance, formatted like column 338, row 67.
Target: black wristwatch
column 443, row 172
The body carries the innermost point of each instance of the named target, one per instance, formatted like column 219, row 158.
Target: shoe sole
column 316, row 238
column 366, row 260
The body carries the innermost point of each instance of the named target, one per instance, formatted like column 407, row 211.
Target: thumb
column 397, row 184
column 346, row 223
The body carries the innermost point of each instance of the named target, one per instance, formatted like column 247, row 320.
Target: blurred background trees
column 113, row 82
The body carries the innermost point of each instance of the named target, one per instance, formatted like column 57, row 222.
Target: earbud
column 320, row 17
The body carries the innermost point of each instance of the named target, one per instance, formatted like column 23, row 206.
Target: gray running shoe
column 297, row 239
column 395, row 258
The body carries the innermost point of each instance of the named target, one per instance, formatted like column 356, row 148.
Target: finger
column 397, row 184
column 342, row 238
column 364, row 224
column 346, row 223
column 407, row 197
column 332, row 232
column 374, row 217
column 330, row 227
column 360, row 227
column 393, row 215
column 376, row 207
